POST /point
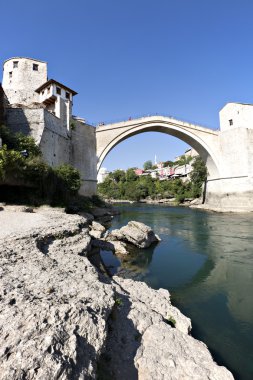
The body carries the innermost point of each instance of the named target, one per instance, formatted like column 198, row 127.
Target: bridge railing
column 136, row 117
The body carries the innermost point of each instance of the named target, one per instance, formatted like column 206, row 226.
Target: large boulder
column 137, row 233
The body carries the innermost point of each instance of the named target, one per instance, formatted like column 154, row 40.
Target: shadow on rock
column 123, row 340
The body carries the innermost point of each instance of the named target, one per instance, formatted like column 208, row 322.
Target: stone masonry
column 42, row 108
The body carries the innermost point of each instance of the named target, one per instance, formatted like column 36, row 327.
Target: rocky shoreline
column 192, row 203
column 168, row 201
column 61, row 318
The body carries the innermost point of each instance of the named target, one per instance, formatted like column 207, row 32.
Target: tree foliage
column 54, row 185
column 198, row 176
column 69, row 176
column 183, row 160
column 133, row 187
column 19, row 142
column 147, row 165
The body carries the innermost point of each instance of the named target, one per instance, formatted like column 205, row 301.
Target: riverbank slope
column 62, row 319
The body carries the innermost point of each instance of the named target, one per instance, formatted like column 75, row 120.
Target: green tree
column 69, row 176
column 130, row 175
column 168, row 163
column 19, row 142
column 147, row 165
column 198, row 176
column 118, row 175
column 11, row 164
column 183, row 160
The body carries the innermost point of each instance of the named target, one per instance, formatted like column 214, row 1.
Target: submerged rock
column 137, row 233
column 118, row 247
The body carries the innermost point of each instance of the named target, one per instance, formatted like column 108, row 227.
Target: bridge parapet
column 154, row 118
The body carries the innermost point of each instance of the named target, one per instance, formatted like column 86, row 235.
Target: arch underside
column 196, row 142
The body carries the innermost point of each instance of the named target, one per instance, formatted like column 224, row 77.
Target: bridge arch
column 203, row 140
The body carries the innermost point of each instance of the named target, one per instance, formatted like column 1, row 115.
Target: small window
column 35, row 67
column 48, row 89
column 67, row 95
column 43, row 92
column 230, row 122
column 58, row 91
column 10, row 74
column 15, row 64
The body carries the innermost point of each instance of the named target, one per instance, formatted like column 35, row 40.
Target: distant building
column 188, row 153
column 138, row 171
column 102, row 174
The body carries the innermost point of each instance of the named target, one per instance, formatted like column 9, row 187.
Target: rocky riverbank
column 168, row 201
column 61, row 318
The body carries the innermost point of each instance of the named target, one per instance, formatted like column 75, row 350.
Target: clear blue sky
column 184, row 58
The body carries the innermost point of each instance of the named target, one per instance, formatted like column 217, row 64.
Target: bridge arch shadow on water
column 203, row 140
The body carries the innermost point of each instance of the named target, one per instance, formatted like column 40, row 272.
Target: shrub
column 11, row 164
column 69, row 176
column 27, row 143
column 53, row 185
column 19, row 141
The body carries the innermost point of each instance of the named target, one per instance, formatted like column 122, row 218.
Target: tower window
column 58, row 91
column 10, row 74
column 67, row 95
column 15, row 64
column 230, row 122
column 35, row 67
column 48, row 89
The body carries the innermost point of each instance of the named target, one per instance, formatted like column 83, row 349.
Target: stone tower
column 21, row 77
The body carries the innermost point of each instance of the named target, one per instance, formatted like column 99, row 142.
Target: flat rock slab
column 20, row 222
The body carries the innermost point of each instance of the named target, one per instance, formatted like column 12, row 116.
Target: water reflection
column 206, row 260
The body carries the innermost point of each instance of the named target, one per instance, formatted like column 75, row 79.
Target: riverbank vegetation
column 127, row 185
column 26, row 178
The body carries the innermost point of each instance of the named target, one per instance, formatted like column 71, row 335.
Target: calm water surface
column 205, row 260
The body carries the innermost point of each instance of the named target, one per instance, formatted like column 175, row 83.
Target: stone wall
column 26, row 120
column 45, row 128
column 58, row 145
column 55, row 141
column 83, row 156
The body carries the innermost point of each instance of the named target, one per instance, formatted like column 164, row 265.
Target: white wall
column 241, row 116
column 20, row 88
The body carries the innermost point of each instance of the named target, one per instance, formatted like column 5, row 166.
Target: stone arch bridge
column 229, row 185
column 203, row 140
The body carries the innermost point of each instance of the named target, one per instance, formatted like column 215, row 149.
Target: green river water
column 205, row 260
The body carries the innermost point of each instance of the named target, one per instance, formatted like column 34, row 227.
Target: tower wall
column 21, row 77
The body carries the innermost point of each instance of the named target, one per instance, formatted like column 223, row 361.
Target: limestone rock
column 54, row 303
column 97, row 230
column 61, row 319
column 179, row 357
column 141, row 343
column 120, row 247
column 136, row 233
column 117, row 247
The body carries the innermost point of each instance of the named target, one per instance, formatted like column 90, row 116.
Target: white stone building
column 58, row 100
column 102, row 174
